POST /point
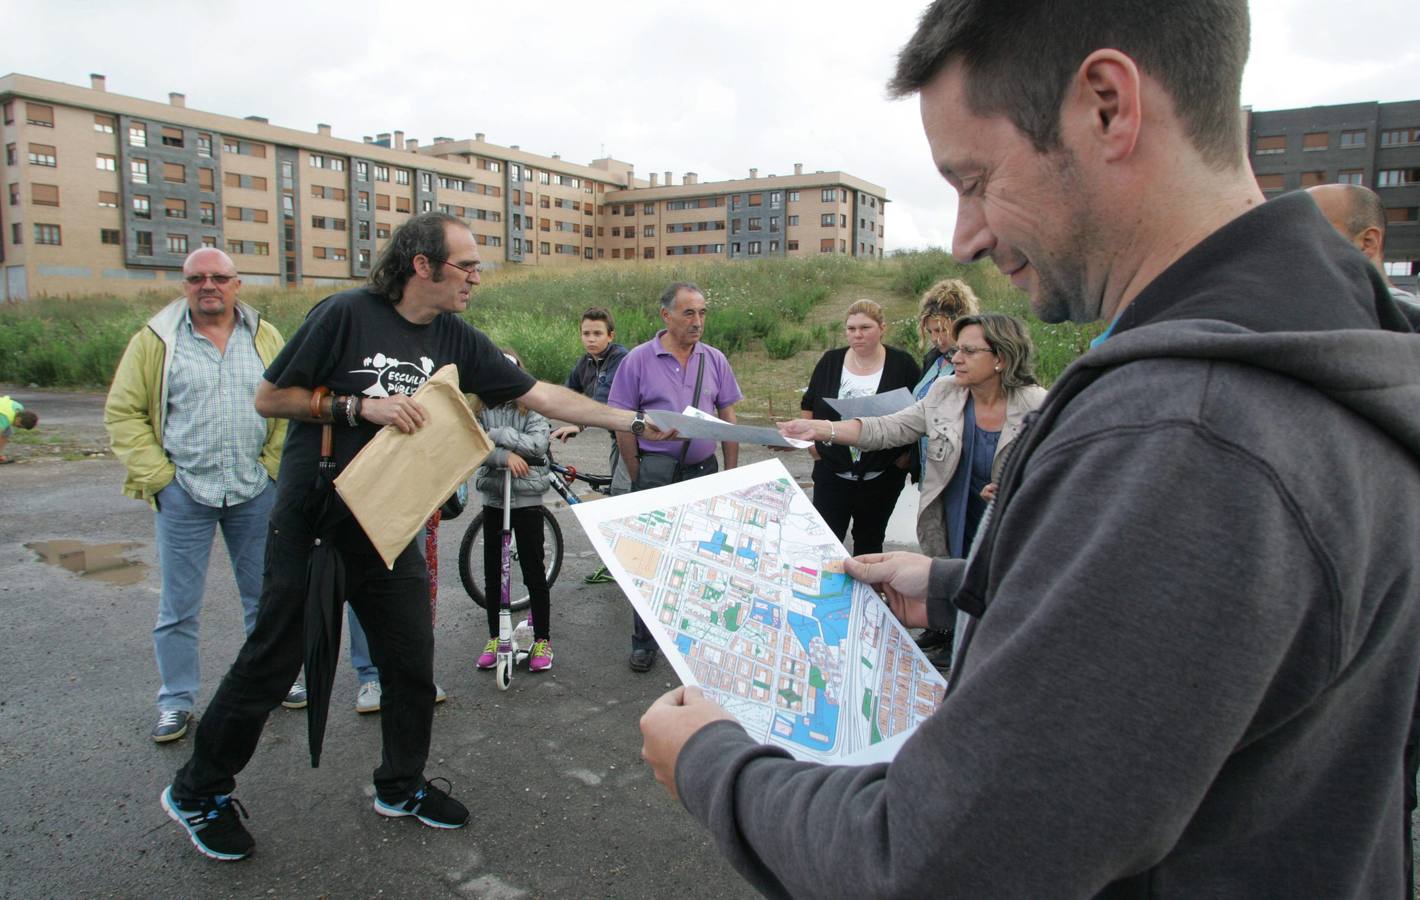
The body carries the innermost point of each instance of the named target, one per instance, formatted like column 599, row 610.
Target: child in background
column 13, row 415
column 518, row 434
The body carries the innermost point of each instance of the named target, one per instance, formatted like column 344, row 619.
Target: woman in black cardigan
column 852, row 485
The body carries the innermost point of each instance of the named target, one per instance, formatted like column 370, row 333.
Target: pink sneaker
column 541, row 658
column 489, row 657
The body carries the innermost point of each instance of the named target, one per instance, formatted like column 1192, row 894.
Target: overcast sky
column 716, row 90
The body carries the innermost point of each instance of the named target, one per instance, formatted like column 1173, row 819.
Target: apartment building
column 108, row 193
column 1372, row 144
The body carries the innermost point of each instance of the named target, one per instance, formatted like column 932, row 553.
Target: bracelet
column 358, row 403
column 350, row 408
column 829, row 442
column 317, row 396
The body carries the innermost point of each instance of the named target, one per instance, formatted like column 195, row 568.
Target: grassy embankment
column 772, row 317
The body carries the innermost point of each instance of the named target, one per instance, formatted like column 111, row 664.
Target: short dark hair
column 598, row 314
column 1019, row 57
column 668, row 295
column 421, row 235
column 26, row 419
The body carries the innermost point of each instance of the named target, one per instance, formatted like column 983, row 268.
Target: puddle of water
column 100, row 562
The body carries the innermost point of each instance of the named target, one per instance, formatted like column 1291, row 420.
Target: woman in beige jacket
column 968, row 419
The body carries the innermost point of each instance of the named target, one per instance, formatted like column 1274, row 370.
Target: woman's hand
column 517, row 465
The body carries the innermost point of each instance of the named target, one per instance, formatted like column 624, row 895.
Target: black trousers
column 393, row 607
column 527, row 530
column 867, row 504
column 647, row 477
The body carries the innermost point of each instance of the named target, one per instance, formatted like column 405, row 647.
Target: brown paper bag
column 397, row 480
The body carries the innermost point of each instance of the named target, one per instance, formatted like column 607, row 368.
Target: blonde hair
column 948, row 299
column 865, row 307
column 478, row 405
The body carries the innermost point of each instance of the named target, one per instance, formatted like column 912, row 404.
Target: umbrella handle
column 326, row 438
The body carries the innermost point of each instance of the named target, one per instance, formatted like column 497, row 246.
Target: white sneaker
column 439, row 695
column 368, row 701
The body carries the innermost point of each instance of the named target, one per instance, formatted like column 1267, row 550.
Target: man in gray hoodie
column 1189, row 632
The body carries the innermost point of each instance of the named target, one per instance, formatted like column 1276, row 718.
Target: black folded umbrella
column 325, row 595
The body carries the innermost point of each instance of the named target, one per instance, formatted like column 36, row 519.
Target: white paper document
column 872, row 405
column 696, row 424
column 741, row 583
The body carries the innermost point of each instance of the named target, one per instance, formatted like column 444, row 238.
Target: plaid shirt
column 211, row 430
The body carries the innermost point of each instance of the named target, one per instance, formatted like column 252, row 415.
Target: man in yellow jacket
column 180, row 417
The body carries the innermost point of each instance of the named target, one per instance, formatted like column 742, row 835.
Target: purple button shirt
column 652, row 378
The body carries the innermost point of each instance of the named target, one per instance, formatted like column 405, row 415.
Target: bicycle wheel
column 471, row 559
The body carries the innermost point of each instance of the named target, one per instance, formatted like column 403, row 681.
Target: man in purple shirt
column 671, row 371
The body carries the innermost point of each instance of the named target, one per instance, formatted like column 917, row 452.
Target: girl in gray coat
column 518, row 434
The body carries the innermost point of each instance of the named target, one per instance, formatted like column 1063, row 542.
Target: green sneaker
column 489, row 658
column 600, row 576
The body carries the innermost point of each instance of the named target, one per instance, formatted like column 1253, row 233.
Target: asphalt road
column 562, row 804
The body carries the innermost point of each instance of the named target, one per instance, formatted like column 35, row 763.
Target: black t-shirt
column 356, row 343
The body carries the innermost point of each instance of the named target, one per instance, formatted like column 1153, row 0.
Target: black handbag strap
column 685, row 448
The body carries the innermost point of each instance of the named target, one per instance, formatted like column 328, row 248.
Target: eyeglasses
column 964, row 350
column 219, row 280
column 466, row 270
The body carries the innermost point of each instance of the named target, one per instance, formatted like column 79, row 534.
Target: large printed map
column 739, row 579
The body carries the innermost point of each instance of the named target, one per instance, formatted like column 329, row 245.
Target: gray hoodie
column 1195, row 612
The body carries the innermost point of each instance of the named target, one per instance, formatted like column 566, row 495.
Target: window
column 825, row 245
column 143, row 243
column 1393, row 267
column 1312, row 179
column 616, row 231
column 246, row 214
column 174, row 173
column 109, row 236
column 43, row 155
column 649, row 209
column 207, row 213
column 206, row 179
column 1315, row 140
column 648, row 253
column 754, row 248
column 1402, row 215
column 1275, row 143
column 363, row 258
column 773, row 223
column 47, row 234
column 756, row 199
column 826, row 220
column 426, row 182
column 1356, row 138
column 401, row 176
column 828, row 195
column 543, row 246
column 735, row 226
column 204, row 145
column 316, row 161
column 14, row 193
column 362, row 230
column 776, row 198
column 9, row 154
column 44, row 194
column 231, row 145
column 1399, row 137
column 177, row 243
column 17, row 234
column 842, row 220
column 172, row 137
column 756, row 223
column 544, row 178
column 40, row 114
column 793, row 220
column 362, row 201
column 382, row 201
column 773, row 246
column 1397, row 177
column 103, row 124
column 791, row 245
column 648, row 231
column 9, row 112
column 793, row 196
column 137, row 135
column 402, row 204
column 252, row 182
column 209, row 240
column 382, row 231
column 382, row 173
column 138, row 170
column 174, row 208
column 336, row 164
column 362, row 171
column 141, row 208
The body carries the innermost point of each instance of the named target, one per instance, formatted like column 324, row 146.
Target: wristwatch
column 638, row 424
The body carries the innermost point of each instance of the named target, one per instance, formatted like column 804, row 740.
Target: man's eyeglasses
column 466, row 270
column 964, row 350
column 219, row 280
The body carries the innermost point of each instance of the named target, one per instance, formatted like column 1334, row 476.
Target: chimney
column 98, row 82
column 753, row 173
column 514, row 147
column 478, row 136
column 690, row 178
column 368, row 139
column 798, row 168
column 668, row 176
column 653, row 179
column 412, row 145
column 323, row 130
column 557, row 156
column 261, row 119
column 177, row 99
column 398, row 140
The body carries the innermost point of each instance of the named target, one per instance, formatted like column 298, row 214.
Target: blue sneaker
column 429, row 804
column 212, row 824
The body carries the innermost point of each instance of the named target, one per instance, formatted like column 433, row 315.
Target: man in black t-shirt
column 371, row 348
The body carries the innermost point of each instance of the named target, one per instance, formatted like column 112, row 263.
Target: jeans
column 184, row 531
column 659, row 474
column 394, row 604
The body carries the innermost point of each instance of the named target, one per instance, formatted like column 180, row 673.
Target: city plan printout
column 741, row 583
